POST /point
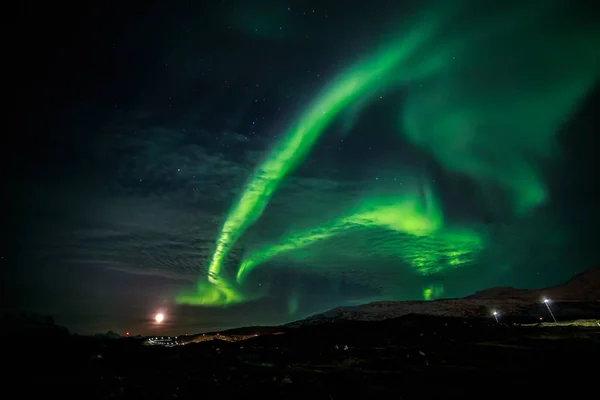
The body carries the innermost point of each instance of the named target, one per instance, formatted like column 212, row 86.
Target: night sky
column 234, row 163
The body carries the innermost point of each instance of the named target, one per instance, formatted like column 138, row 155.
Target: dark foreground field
column 412, row 357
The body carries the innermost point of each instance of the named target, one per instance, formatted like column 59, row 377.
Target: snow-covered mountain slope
column 578, row 298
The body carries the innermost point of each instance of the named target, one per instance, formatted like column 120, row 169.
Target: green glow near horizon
column 484, row 98
column 433, row 292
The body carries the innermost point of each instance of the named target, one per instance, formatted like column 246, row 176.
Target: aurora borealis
column 492, row 133
column 257, row 162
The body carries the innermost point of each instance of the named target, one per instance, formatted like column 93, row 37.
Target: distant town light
column 495, row 313
column 159, row 317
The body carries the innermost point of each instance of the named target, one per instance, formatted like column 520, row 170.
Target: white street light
column 496, row 316
column 547, row 303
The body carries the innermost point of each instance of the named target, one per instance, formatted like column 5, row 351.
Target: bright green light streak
column 433, row 292
column 408, row 214
column 427, row 253
column 357, row 82
column 212, row 294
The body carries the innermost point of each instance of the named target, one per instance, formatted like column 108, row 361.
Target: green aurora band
column 407, row 214
column 358, row 82
column 423, row 244
column 485, row 99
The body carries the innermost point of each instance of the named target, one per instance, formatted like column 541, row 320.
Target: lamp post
column 496, row 316
column 547, row 303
